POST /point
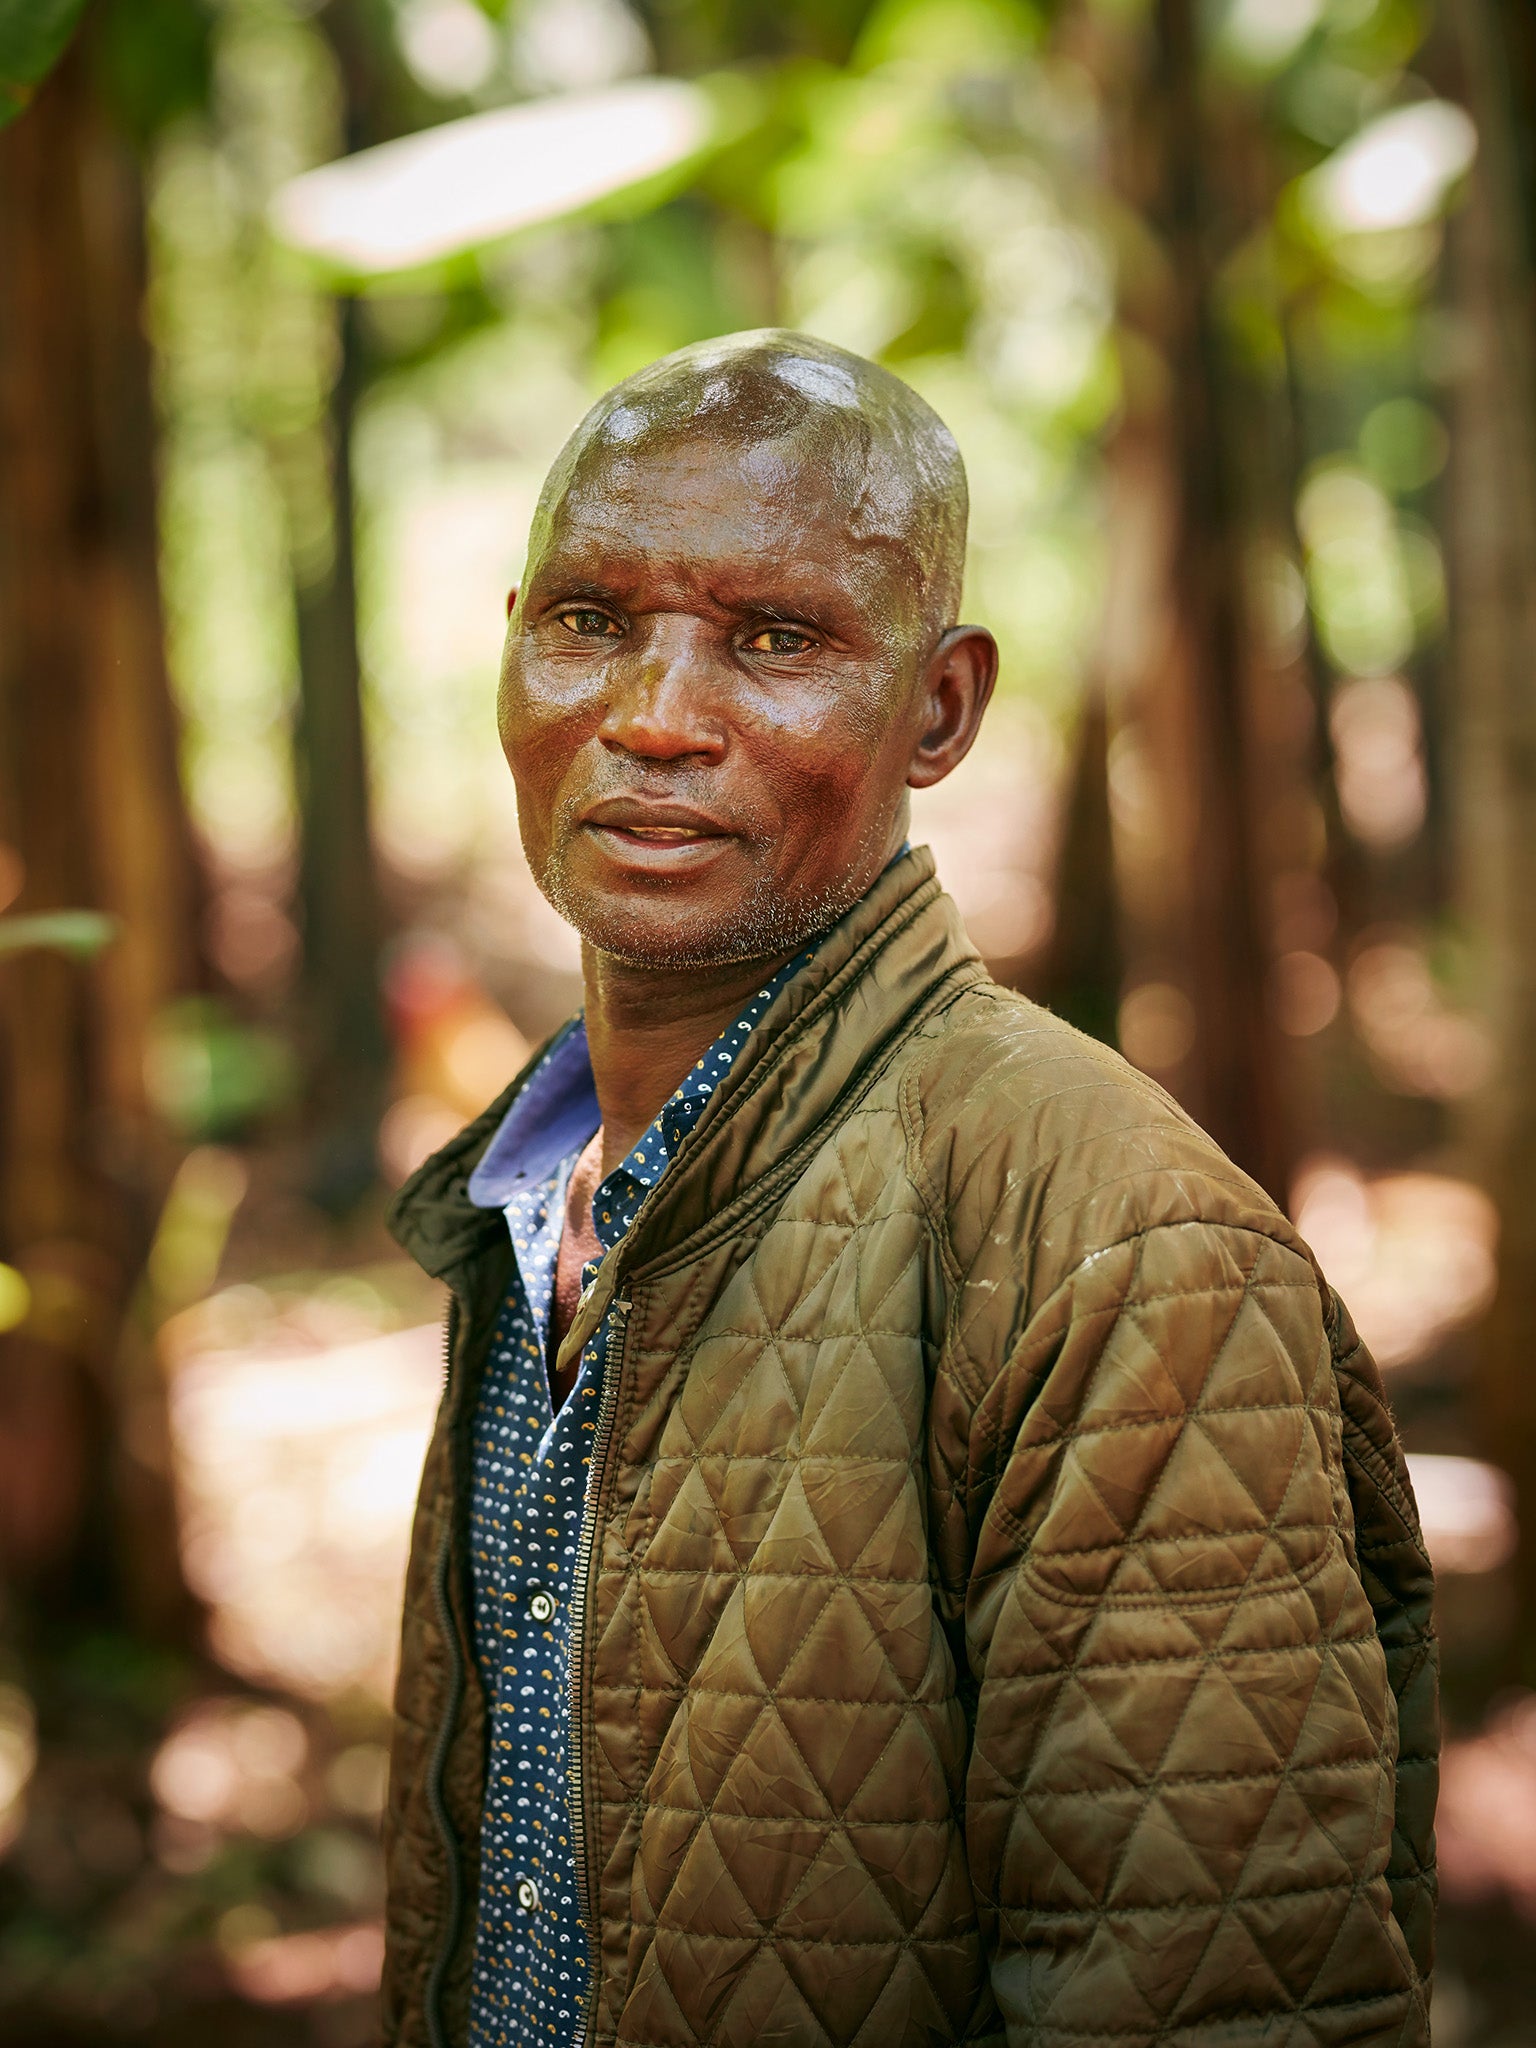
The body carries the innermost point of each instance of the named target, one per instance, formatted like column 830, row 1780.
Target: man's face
column 709, row 701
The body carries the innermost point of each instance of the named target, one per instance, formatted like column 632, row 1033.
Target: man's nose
column 660, row 706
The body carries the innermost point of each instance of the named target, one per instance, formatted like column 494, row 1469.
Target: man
column 912, row 1550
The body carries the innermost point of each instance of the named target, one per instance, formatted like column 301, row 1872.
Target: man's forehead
column 707, row 497
column 731, row 447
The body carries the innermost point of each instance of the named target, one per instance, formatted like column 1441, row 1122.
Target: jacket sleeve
column 1180, row 1797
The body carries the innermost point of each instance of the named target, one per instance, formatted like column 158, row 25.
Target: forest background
column 1230, row 306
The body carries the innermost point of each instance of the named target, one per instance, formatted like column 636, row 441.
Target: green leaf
column 80, row 932
column 33, row 37
column 212, row 1075
column 154, row 60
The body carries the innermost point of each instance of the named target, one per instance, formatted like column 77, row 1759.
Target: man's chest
column 770, row 1420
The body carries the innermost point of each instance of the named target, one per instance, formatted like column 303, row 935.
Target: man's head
column 734, row 649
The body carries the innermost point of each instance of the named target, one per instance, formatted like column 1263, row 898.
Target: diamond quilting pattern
column 978, row 1651
column 1181, row 1721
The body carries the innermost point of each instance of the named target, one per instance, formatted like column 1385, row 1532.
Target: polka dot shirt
column 530, row 1466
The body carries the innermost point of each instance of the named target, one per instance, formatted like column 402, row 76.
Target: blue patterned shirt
column 528, row 1485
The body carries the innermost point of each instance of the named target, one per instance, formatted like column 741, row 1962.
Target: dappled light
column 1486, row 1843
column 234, row 1766
column 1412, row 1253
column 1421, row 1044
column 405, row 204
column 1228, row 309
column 291, row 1969
column 299, row 1460
column 1467, row 1510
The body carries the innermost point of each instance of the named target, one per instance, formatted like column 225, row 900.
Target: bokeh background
column 1230, row 306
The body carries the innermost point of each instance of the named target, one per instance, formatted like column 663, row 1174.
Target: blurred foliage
column 927, row 181
column 930, row 199
column 948, row 185
column 212, row 1076
column 33, row 36
column 81, row 933
column 153, row 60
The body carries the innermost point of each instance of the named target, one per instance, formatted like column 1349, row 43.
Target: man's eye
column 590, row 624
column 780, row 640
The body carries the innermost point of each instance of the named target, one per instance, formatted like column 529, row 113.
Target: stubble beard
column 765, row 924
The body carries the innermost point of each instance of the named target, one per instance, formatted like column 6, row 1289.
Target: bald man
column 912, row 1550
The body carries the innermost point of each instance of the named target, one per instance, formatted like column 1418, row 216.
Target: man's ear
column 511, row 599
column 956, row 691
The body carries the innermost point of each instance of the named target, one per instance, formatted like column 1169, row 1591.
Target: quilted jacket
column 1003, row 1615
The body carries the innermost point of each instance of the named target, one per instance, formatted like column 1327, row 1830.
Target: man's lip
column 653, row 836
column 661, row 823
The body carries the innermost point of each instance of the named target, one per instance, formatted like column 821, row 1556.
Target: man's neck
column 646, row 1027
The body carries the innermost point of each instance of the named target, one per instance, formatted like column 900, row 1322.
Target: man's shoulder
column 996, row 1068
column 1024, row 1128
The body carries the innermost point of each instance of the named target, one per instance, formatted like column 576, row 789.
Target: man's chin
column 672, row 937
column 671, row 945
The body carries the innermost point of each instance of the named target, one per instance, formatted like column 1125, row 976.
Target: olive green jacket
column 1001, row 1612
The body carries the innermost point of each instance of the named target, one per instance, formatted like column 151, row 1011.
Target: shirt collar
column 557, row 1112
column 553, row 1116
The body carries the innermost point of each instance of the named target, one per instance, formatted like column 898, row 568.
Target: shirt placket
column 546, row 2004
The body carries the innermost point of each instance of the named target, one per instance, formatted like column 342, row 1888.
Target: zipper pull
column 450, row 1321
column 622, row 1305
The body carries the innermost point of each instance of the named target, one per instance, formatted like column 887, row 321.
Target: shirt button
column 528, row 1895
column 541, row 1607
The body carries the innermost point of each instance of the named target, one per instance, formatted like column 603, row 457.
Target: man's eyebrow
column 790, row 611
column 565, row 589
column 824, row 607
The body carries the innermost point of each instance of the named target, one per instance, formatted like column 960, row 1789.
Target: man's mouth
column 654, row 834
column 659, row 835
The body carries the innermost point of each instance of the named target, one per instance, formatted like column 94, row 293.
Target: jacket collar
column 826, row 1027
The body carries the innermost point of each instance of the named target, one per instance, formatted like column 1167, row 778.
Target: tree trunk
column 342, row 922
column 1493, row 580
column 1237, row 1050
column 347, row 1048
column 1081, row 973
column 92, row 804
column 1193, row 842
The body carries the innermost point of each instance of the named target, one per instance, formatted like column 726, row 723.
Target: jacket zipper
column 454, row 1883
column 580, row 1586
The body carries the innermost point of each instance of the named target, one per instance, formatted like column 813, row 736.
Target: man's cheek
column 540, row 740
column 829, row 791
